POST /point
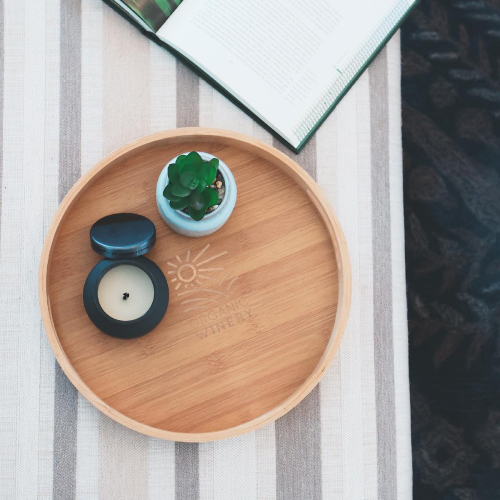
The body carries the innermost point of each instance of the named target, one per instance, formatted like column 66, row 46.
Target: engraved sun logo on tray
column 200, row 280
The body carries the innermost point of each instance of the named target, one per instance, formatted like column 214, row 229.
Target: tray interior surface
column 252, row 307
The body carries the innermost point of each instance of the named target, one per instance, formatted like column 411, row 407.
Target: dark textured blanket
column 451, row 145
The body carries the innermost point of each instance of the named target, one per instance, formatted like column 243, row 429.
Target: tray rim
column 336, row 235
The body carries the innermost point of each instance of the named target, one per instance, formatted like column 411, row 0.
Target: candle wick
column 126, row 295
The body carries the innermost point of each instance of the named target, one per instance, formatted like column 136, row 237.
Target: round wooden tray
column 257, row 310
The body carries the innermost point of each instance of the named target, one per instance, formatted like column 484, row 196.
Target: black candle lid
column 122, row 236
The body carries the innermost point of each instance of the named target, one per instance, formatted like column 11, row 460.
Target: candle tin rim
column 126, row 329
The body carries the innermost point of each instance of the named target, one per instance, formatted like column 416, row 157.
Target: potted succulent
column 196, row 194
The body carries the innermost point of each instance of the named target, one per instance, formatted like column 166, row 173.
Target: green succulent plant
column 189, row 180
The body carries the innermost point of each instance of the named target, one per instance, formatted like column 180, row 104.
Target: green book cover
column 153, row 12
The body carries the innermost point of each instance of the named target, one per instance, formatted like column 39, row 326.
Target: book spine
column 352, row 68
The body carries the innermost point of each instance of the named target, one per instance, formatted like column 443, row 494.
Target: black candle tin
column 123, row 239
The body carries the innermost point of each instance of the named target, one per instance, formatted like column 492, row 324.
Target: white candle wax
column 130, row 282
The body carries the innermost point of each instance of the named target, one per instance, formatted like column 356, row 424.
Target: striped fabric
column 76, row 82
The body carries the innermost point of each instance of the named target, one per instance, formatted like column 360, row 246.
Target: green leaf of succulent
column 197, row 200
column 200, row 170
column 212, row 172
column 214, row 162
column 188, row 167
column 167, row 193
column 173, row 175
column 196, row 214
column 181, row 159
column 180, row 190
column 213, row 197
column 180, row 204
column 206, row 200
column 181, row 162
column 194, row 158
column 189, row 179
column 201, row 186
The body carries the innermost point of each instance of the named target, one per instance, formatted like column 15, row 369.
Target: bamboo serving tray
column 257, row 310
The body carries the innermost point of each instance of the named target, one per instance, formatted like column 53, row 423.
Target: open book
column 288, row 62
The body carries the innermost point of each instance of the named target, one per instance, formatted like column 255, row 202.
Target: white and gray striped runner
column 77, row 81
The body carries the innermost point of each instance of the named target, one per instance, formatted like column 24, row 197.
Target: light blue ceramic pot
column 183, row 224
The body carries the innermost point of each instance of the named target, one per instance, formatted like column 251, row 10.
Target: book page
column 278, row 56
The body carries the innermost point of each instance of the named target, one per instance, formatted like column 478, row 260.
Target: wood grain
column 224, row 361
